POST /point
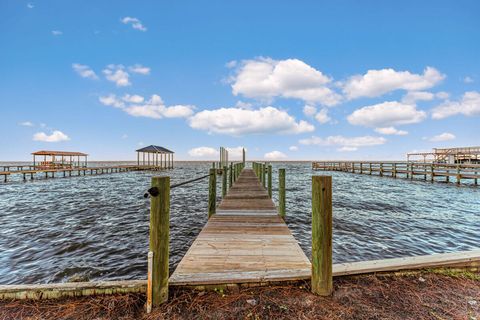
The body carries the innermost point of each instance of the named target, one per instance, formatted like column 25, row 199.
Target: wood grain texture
column 246, row 241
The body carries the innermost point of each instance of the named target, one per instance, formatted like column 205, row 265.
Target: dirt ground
column 427, row 295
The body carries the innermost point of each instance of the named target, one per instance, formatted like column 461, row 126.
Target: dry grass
column 416, row 296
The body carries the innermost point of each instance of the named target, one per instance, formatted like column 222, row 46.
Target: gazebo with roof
column 155, row 156
column 59, row 159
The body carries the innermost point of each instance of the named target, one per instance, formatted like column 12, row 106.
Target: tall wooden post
column 224, row 181
column 231, row 174
column 269, row 180
column 212, row 193
column 281, row 193
column 264, row 175
column 159, row 238
column 243, row 156
column 322, row 279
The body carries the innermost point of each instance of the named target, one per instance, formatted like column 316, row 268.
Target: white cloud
column 322, row 116
column 57, row 32
column 446, row 136
column 117, row 74
column 469, row 105
column 344, row 143
column 468, row 80
column 235, row 121
column 274, row 155
column 265, row 78
column 391, row 131
column 26, row 124
column 84, row 71
column 293, row 148
column 378, row 82
column 202, row 152
column 414, row 96
column 124, row 136
column 135, row 23
column 138, row 68
column 442, row 95
column 389, row 113
column 30, row 5
column 309, row 110
column 153, row 108
column 235, row 152
column 112, row 101
column 56, row 136
column 133, row 98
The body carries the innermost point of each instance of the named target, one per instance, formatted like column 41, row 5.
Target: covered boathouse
column 59, row 159
column 155, row 156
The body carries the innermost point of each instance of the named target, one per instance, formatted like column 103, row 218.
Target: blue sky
column 284, row 79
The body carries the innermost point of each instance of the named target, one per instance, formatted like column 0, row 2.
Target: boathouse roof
column 59, row 153
column 155, row 149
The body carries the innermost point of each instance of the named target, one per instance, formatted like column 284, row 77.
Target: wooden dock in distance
column 245, row 242
column 409, row 170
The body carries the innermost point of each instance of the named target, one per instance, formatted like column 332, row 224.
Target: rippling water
column 96, row 227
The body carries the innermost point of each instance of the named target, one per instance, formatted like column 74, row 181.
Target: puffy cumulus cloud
column 344, row 143
column 391, row 131
column 386, row 114
column 116, row 73
column 84, row 71
column 322, row 116
column 135, row 23
column 265, row 78
column 378, row 82
column 138, row 68
column 413, row 96
column 55, row 136
column 309, row 110
column 274, row 155
column 135, row 105
column 469, row 105
column 236, row 122
column 446, row 136
column 293, row 148
column 203, row 152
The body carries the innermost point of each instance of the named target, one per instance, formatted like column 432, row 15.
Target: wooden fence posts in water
column 281, row 193
column 322, row 279
column 212, row 192
column 159, row 237
column 231, row 174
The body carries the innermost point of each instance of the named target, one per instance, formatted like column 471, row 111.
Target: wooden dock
column 246, row 241
column 30, row 172
column 408, row 170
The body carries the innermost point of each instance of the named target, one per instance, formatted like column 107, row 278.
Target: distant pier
column 458, row 172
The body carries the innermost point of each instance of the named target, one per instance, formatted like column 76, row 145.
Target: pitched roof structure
column 154, row 149
column 59, row 153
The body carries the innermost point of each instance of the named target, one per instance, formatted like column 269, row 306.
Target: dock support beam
column 322, row 279
column 281, row 193
column 159, row 238
column 212, row 192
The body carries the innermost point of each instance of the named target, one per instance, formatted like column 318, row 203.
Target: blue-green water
column 96, row 227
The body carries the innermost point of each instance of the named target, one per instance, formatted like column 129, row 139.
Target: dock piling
column 212, row 192
column 281, row 193
column 224, row 181
column 322, row 279
column 159, row 237
column 269, row 180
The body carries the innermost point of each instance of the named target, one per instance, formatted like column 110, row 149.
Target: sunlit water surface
column 96, row 227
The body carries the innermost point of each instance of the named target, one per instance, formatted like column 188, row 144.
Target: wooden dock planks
column 244, row 242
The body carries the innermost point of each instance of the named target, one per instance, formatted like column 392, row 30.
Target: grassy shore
column 427, row 295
